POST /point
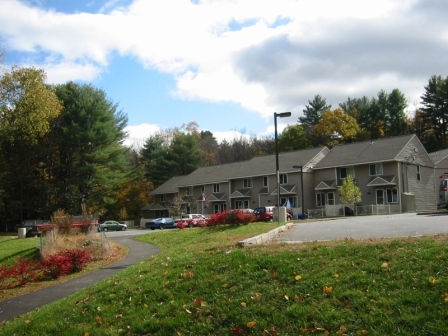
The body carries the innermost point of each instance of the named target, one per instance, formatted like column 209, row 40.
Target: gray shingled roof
column 169, row 187
column 378, row 150
column 438, row 156
column 258, row 166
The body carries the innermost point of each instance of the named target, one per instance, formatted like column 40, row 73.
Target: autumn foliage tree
column 335, row 128
column 27, row 109
column 350, row 192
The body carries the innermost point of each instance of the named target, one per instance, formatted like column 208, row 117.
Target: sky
column 228, row 65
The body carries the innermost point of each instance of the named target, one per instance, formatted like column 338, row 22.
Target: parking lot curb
column 265, row 237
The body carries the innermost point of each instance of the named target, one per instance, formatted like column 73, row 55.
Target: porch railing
column 341, row 210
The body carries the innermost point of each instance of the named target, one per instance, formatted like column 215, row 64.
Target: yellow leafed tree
column 335, row 128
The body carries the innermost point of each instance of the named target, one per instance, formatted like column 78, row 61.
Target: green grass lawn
column 13, row 248
column 201, row 284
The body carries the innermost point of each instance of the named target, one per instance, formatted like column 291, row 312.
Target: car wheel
column 152, row 228
column 123, row 228
column 105, row 229
column 161, row 227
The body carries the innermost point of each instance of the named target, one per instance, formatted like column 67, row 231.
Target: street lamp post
column 301, row 187
column 278, row 115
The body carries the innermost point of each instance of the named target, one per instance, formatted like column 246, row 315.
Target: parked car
column 193, row 219
column 266, row 214
column 31, row 227
column 111, row 225
column 161, row 223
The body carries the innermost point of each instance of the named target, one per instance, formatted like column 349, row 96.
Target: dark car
column 266, row 214
column 161, row 223
column 31, row 226
column 111, row 225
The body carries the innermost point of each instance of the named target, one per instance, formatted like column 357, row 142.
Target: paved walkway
column 138, row 251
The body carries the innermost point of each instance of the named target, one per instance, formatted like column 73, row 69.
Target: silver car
column 111, row 225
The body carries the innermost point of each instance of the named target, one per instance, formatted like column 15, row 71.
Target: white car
column 192, row 219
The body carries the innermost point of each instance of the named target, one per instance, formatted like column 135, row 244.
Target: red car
column 266, row 214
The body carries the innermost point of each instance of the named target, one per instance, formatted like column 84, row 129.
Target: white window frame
column 219, row 207
column 247, row 183
column 349, row 171
column 321, row 199
column 330, row 199
column 216, row 188
column 376, row 169
column 265, row 181
column 241, row 204
column 377, row 197
column 163, row 198
column 392, row 195
column 419, row 175
column 283, row 178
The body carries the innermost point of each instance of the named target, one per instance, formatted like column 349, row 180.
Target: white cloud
column 264, row 55
column 138, row 134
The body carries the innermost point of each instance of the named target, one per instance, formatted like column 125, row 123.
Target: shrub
column 56, row 265
column 233, row 217
column 66, row 262
column 19, row 274
column 79, row 258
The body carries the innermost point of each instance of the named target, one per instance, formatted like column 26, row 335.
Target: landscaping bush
column 79, row 258
column 56, row 265
column 19, row 274
column 233, row 217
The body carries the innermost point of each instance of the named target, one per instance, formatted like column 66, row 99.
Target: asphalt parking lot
column 364, row 227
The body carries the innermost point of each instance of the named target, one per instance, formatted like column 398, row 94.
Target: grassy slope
column 202, row 285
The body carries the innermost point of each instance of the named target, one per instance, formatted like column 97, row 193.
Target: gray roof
column 258, row 166
column 378, row 150
column 169, row 187
column 438, row 156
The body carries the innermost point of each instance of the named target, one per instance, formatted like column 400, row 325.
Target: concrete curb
column 265, row 237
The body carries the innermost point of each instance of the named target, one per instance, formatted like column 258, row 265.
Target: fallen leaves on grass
column 327, row 289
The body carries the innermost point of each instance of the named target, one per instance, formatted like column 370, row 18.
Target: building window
column 189, row 191
column 203, row 189
column 242, row 204
column 419, row 176
column 330, row 198
column 220, row 207
column 247, row 183
column 265, row 181
column 379, row 196
column 320, row 199
column 376, row 169
column 344, row 172
column 216, row 188
column 323, row 199
column 162, row 198
column 283, row 179
column 392, row 195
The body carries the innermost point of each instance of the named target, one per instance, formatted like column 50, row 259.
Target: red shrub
column 233, row 217
column 79, row 258
column 56, row 265
column 66, row 262
column 21, row 273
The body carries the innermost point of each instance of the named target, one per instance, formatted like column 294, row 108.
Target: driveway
column 360, row 227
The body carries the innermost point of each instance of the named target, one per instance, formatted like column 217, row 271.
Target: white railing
column 341, row 210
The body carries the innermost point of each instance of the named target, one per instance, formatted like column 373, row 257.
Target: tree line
column 61, row 146
column 355, row 119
